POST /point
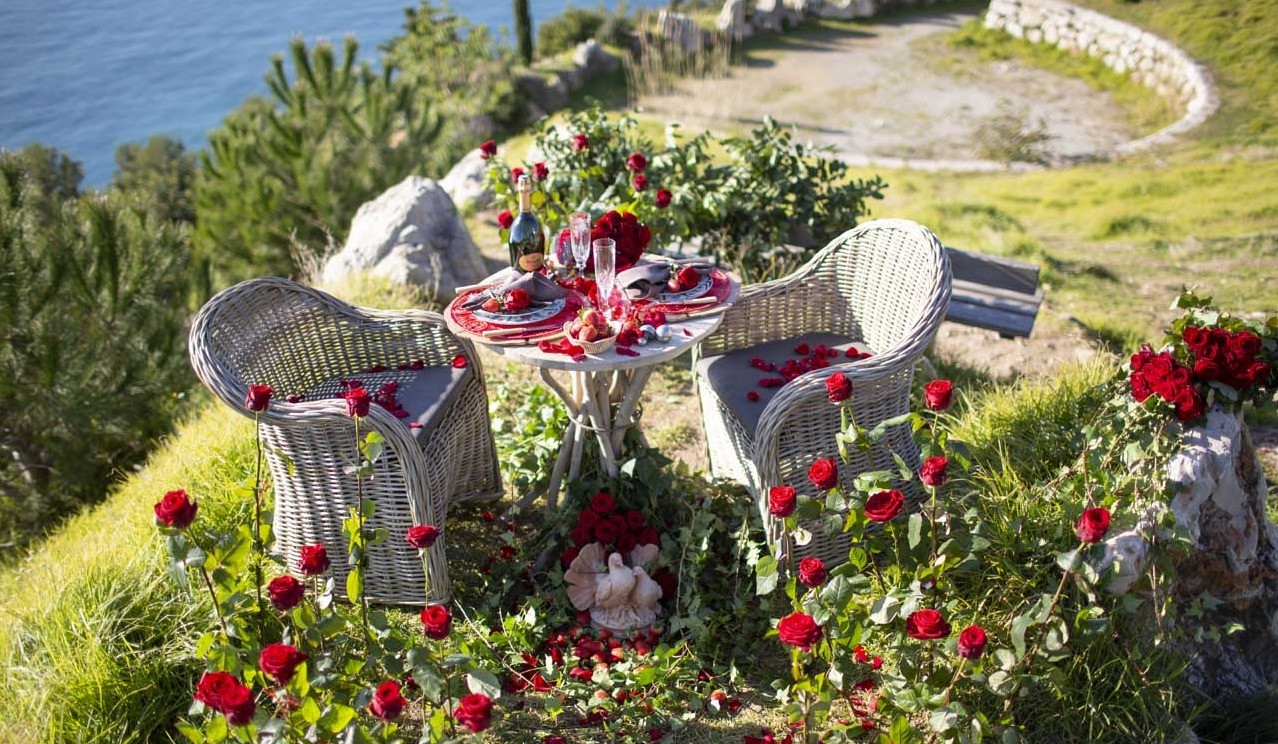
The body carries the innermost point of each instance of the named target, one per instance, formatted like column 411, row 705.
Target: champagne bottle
column 527, row 241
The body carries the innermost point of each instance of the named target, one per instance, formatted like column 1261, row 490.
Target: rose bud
column 812, row 572
column 580, row 142
column 437, row 621
column 663, row 198
column 488, row 149
column 176, row 510
column 387, row 703
column 925, row 625
column 280, row 660
column 285, row 592
column 938, row 394
column 474, row 712
column 933, row 471
column 312, row 559
column 838, row 387
column 1093, row 525
column 798, row 629
column 824, row 474
column 505, row 219
column 884, row 506
column 357, row 402
column 971, row 642
column 259, row 397
column 781, row 501
column 637, row 162
column 422, row 536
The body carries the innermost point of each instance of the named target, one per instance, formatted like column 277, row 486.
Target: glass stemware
column 605, row 270
column 579, row 236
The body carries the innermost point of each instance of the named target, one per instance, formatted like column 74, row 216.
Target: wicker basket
column 595, row 347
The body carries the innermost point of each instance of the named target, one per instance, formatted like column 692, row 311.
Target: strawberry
column 491, row 305
column 687, row 278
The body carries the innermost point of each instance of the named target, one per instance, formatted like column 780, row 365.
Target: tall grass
column 660, row 62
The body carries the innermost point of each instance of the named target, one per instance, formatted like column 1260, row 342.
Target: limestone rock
column 732, row 19
column 845, row 9
column 682, row 30
column 465, row 183
column 592, row 59
column 411, row 234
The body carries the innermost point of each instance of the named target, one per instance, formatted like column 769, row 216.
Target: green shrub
column 159, row 175
column 293, row 168
column 575, row 25
column 93, row 305
column 457, row 68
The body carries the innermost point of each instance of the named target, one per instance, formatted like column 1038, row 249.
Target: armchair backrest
column 271, row 331
column 892, row 279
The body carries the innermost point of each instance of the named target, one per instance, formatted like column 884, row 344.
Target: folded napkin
column 540, row 288
column 648, row 279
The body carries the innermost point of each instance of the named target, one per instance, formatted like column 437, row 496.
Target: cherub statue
column 618, row 592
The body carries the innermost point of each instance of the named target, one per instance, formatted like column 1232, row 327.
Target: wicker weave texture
column 886, row 283
column 279, row 333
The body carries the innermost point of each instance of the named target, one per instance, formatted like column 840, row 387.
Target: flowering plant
column 892, row 640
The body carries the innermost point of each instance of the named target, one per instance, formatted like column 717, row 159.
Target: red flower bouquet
column 631, row 235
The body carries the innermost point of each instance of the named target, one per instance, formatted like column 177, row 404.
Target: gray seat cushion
column 424, row 395
column 732, row 377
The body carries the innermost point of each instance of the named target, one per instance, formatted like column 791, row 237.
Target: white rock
column 411, row 234
column 592, row 59
column 466, row 184
column 682, row 30
column 732, row 19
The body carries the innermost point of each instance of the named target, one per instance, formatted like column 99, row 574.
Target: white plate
column 702, row 287
column 533, row 315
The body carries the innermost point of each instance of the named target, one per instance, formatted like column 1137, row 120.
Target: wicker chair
column 304, row 343
column 881, row 288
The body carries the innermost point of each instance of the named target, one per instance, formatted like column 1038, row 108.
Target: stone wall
column 1124, row 48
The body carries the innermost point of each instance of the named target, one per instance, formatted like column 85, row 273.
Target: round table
column 601, row 381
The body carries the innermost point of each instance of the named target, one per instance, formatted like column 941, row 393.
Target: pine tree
column 523, row 31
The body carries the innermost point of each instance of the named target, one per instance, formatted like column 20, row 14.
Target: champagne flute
column 605, row 270
column 579, row 234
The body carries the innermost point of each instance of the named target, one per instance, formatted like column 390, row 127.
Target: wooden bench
column 996, row 293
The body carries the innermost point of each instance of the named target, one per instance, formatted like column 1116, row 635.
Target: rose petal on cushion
column 752, row 396
column 415, row 425
column 460, row 361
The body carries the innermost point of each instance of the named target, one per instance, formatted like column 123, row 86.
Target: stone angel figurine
column 617, row 591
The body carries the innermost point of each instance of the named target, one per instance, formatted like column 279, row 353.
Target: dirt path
column 884, row 90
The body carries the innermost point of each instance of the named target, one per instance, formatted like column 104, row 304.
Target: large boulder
column 466, row 184
column 411, row 234
column 1219, row 502
column 592, row 59
column 732, row 20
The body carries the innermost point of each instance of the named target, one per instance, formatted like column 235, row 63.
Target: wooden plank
column 994, row 271
column 1008, row 323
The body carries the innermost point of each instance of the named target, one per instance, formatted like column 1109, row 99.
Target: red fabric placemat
column 464, row 321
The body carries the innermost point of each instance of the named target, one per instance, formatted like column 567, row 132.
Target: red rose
column 631, row 236
column 517, row 299
column 357, row 402
column 312, row 559
column 824, row 474
column 781, row 501
column 505, row 219
column 285, row 592
column 175, row 510
column 1140, row 387
column 1208, row 369
column 437, row 621
column 580, row 142
column 1244, row 344
column 280, row 660
column 1189, row 403
column 422, row 536
column 588, row 518
column 213, row 688
column 387, row 702
column 515, row 173
column 626, row 542
column 1195, row 338
column 687, row 278
column 649, row 536
column 637, row 162
column 938, row 394
column 606, row 532
column 488, row 149
column 668, row 582
column 884, row 506
column 812, row 572
column 569, row 555
column 933, row 471
column 925, row 625
column 259, row 397
column 663, row 198
column 752, row 396
column 540, row 171
column 634, row 519
column 798, row 629
column 640, row 182
column 460, row 361
column 838, row 387
column 474, row 711
column 1256, row 374
column 1142, row 357
column 238, row 706
column 971, row 642
column 603, row 503
column 1093, row 525
column 582, row 535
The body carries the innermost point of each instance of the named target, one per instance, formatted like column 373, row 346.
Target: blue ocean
column 86, row 76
